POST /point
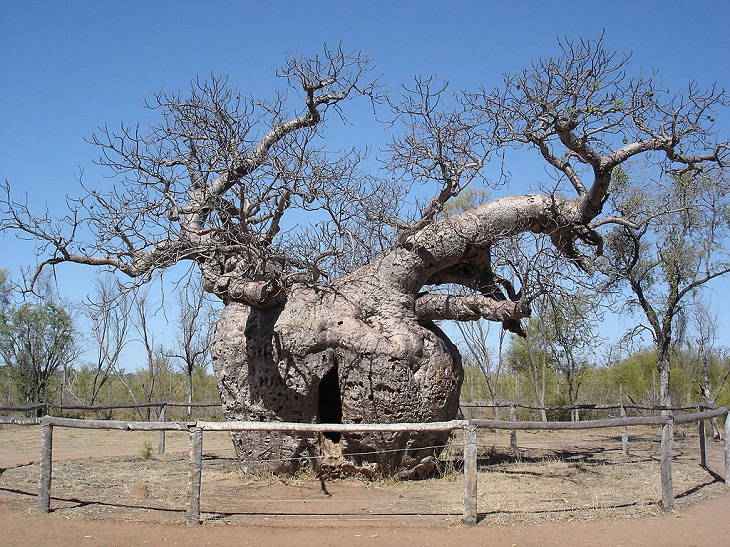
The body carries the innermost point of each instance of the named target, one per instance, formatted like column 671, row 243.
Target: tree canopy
column 218, row 179
column 36, row 341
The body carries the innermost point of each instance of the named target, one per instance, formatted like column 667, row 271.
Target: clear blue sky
column 70, row 66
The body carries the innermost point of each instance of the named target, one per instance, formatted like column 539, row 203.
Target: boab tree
column 327, row 320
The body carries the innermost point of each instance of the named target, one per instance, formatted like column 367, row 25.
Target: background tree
column 700, row 355
column 479, row 353
column 678, row 248
column 195, row 324
column 5, row 370
column 570, row 322
column 156, row 363
column 36, row 341
column 5, row 289
column 316, row 325
column 531, row 356
column 635, row 376
column 109, row 316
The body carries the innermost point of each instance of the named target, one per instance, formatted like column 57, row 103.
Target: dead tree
column 108, row 312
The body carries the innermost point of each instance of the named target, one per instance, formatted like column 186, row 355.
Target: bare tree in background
column 195, row 324
column 143, row 311
column 701, row 349
column 322, row 265
column 109, row 314
column 475, row 335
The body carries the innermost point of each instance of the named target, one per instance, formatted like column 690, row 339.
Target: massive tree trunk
column 274, row 365
column 350, row 352
column 365, row 349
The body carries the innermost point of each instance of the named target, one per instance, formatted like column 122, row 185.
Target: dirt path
column 704, row 524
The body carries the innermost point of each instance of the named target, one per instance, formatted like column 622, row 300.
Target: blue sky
column 69, row 66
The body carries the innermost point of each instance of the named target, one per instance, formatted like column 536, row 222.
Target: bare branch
column 433, row 307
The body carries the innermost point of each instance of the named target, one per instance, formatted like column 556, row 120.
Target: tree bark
column 664, row 370
column 271, row 364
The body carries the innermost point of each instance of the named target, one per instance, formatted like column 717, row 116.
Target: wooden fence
column 468, row 427
column 594, row 408
column 161, row 407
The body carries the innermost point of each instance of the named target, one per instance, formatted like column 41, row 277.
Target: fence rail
column 583, row 406
column 472, row 404
column 153, row 404
column 468, row 427
column 161, row 407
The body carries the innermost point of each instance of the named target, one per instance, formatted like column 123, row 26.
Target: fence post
column 624, row 432
column 194, row 475
column 727, row 449
column 44, row 486
column 161, row 442
column 513, row 434
column 666, row 464
column 703, row 443
column 470, row 474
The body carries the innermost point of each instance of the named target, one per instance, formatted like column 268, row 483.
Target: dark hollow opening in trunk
column 330, row 403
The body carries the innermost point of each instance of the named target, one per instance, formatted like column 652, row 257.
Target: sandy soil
column 565, row 491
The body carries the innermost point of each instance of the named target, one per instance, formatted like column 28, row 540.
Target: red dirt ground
column 704, row 524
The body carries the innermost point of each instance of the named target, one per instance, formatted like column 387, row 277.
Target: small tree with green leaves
column 36, row 341
column 531, row 356
column 571, row 324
